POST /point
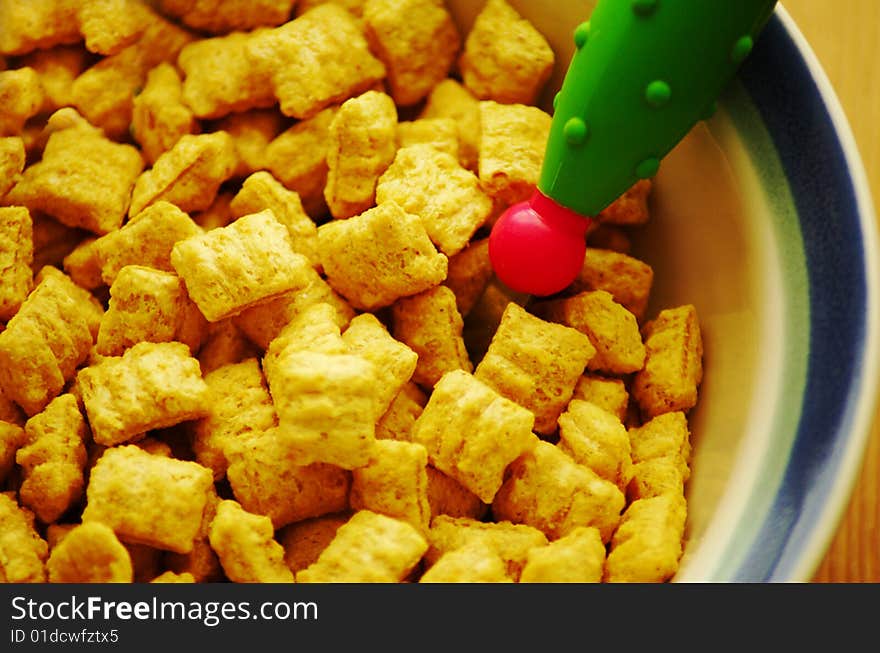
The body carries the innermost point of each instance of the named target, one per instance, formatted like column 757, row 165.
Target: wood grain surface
column 845, row 35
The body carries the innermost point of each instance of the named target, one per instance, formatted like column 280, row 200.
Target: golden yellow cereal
column 36, row 24
column 608, row 236
column 9, row 411
column 433, row 185
column 90, row 553
column 509, row 168
column 449, row 99
column 108, row 26
column 397, row 422
column 654, row 477
column 628, row 279
column 16, row 257
column 661, row 455
column 472, row 563
column 429, row 323
column 439, row 133
column 304, row 540
column 469, row 274
column 249, row 262
column 57, row 67
column 252, row 131
column 631, row 208
column 83, row 264
column 151, row 386
column 417, row 41
column 218, row 214
column 548, row 490
column 220, row 16
column 535, row 363
column 472, row 433
column 315, row 329
column 21, row 96
column 223, row 343
column 596, row 439
column 446, row 496
column 173, row 577
column 578, row 557
column 606, row 392
column 379, row 256
column 505, row 58
column 200, row 562
column 673, row 367
column 159, row 117
column 52, row 459
column 356, row 7
column 12, row 438
column 12, row 160
column 368, row 548
column 148, row 499
column 23, row 552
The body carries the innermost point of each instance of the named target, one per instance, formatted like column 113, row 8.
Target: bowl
column 762, row 219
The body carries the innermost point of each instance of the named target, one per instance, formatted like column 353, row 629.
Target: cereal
column 304, row 540
column 220, row 16
column 605, row 392
column 596, row 439
column 472, row 563
column 469, row 274
column 446, row 496
column 23, row 553
column 12, row 160
column 449, row 99
column 16, row 256
column 21, row 96
column 223, row 343
column 57, row 68
column 90, row 553
column 397, row 422
column 578, row 557
column 159, row 117
column 252, row 131
column 439, row 133
column 200, row 562
column 661, row 453
column 12, row 437
column 172, row 577
column 628, row 279
column 631, row 208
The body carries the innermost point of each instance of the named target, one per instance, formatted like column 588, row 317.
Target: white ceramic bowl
column 763, row 220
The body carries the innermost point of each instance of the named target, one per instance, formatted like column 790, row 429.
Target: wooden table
column 845, row 35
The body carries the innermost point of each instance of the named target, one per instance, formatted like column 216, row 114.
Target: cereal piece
column 472, row 563
column 52, row 459
column 189, row 174
column 151, row 386
column 83, row 264
column 394, row 483
column 393, row 360
column 548, row 490
column 606, row 236
column 505, row 58
column 673, row 363
column 108, row 26
column 224, row 344
column 268, row 478
column 16, row 257
column 173, row 577
column 239, row 406
column 313, row 330
column 596, row 439
column 23, row 552
column 446, row 496
column 261, row 191
column 304, row 541
column 509, row 168
column 439, row 133
column 608, row 393
column 628, row 279
column 631, row 208
column 397, row 422
column 247, row 263
column 449, row 99
column 9, row 411
column 579, row 557
column 356, row 7
column 147, row 305
column 90, row 553
column 201, row 562
column 469, row 274
column 159, row 117
column 12, row 160
column 57, row 67
column 433, row 185
column 47, row 340
column 36, row 24
column 316, row 60
column 21, row 96
column 368, row 548
column 252, row 131
column 611, row 328
column 83, row 180
column 512, row 542
column 148, row 499
column 647, row 546
column 361, row 145
column 472, row 433
column 661, row 453
column 379, row 256
column 12, row 438
column 245, row 544
column 535, row 363
column 418, row 42
column 429, row 323
column 218, row 17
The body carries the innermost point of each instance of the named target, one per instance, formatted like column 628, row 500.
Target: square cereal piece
column 314, row 330
column 159, row 116
column 535, row 363
column 596, row 439
column 148, row 499
column 36, row 24
column 578, row 557
column 379, row 256
column 248, row 262
column 151, row 386
column 148, row 305
column 368, row 548
column 12, row 438
column 267, row 478
column 222, row 16
column 665, row 436
column 83, row 264
column 189, row 174
column 673, row 362
column 108, row 26
column 439, row 133
column 429, row 323
column 418, row 42
column 627, row 278
column 655, row 477
column 394, row 483
column 53, row 458
column 90, row 553
column 303, row 541
column 548, row 490
column 316, row 60
column 83, row 179
column 472, row 563
column 252, row 131
column 23, row 553
column 512, row 542
column 505, row 58
column 45, row 342
column 12, row 161
column 613, row 330
column 433, row 185
column 16, row 257
column 246, row 546
column 509, row 168
column 606, row 392
column 57, row 68
column 223, row 343
column 469, row 273
column 201, row 561
column 446, row 496
column 449, row 99
column 647, row 546
column 361, row 144
column 21, row 96
column 631, row 208
column 397, row 422
column 472, row 433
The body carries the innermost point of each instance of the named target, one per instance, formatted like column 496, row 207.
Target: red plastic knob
column 537, row 247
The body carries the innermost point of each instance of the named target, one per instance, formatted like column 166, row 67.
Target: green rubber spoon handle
column 644, row 73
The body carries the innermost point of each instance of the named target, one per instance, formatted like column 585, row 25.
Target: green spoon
column 644, row 73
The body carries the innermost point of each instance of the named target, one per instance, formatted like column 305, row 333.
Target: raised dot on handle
column 658, row 93
column 576, row 131
column 581, row 34
column 644, row 7
column 648, row 168
column 741, row 49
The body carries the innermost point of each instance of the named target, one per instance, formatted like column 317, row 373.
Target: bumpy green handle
column 644, row 73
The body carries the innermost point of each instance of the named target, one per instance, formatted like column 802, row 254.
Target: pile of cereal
column 249, row 330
